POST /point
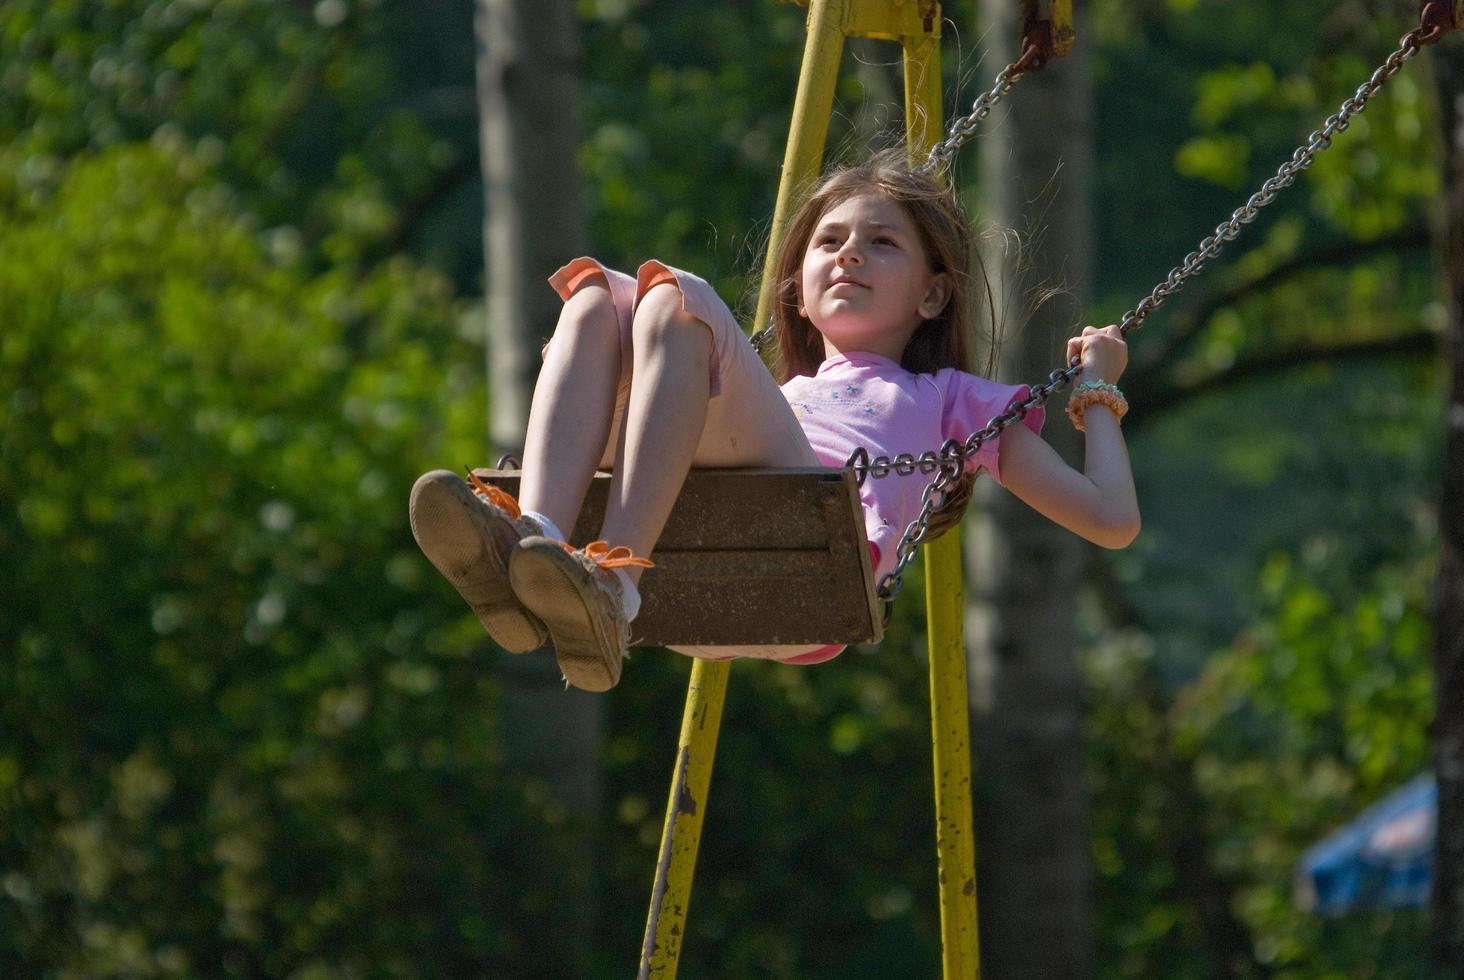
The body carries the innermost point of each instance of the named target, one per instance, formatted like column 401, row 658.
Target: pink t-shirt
column 861, row 399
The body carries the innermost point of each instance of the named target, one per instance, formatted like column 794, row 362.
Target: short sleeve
column 971, row 402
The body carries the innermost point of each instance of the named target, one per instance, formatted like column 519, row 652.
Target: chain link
column 962, row 129
column 949, row 461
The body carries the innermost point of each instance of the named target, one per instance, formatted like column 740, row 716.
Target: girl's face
column 866, row 283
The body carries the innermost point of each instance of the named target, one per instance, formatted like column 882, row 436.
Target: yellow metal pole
column 916, row 23
column 922, row 91
column 671, row 892
column 950, row 729
column 812, row 107
column 1064, row 36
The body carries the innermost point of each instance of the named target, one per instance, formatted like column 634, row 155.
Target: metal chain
column 1285, row 176
column 949, row 460
column 962, row 129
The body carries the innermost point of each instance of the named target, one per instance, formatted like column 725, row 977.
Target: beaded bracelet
column 1089, row 392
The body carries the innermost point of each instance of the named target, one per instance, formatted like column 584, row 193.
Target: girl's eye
column 884, row 240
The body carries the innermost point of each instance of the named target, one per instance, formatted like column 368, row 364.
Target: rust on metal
column 685, row 802
column 1437, row 18
column 650, row 948
column 1047, row 32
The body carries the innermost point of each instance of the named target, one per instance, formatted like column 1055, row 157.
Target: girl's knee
column 660, row 313
column 589, row 312
column 590, row 298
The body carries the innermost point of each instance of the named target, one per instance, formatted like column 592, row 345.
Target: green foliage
column 351, row 125
column 1320, row 709
column 676, row 93
column 1276, row 679
column 1317, row 710
column 1248, row 83
column 224, row 686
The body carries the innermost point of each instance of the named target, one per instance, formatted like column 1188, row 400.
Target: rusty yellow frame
column 915, row 24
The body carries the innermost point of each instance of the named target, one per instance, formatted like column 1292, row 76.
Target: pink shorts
column 749, row 422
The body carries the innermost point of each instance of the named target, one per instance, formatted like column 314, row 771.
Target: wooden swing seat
column 750, row 557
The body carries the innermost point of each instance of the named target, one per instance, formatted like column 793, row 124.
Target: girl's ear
column 936, row 297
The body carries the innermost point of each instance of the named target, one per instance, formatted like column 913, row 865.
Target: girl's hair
column 938, row 343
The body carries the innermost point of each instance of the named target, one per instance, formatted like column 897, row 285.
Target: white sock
column 629, row 594
column 548, row 527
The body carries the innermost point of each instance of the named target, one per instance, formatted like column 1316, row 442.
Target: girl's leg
column 686, row 347
column 572, row 407
column 467, row 534
column 748, row 423
column 664, row 419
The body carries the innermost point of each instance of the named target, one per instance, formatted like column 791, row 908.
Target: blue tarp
column 1381, row 860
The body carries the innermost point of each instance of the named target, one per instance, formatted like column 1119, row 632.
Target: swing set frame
column 915, row 25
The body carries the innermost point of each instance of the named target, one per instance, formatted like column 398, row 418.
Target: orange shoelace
column 599, row 552
column 605, row 556
column 498, row 498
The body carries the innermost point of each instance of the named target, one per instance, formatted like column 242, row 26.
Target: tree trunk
column 528, row 85
column 1032, row 846
column 1448, row 894
column 528, row 94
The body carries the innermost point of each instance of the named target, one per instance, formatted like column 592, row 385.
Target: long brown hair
column 939, row 342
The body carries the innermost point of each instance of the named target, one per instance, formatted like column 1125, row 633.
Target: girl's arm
column 1099, row 503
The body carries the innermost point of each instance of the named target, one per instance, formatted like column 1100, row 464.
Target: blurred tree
column 528, row 89
column 1032, row 863
column 1448, row 608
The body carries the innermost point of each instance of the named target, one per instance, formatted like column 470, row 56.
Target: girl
column 652, row 375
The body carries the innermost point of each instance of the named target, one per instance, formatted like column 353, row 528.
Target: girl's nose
column 848, row 255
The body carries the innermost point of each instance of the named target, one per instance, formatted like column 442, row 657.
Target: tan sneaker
column 467, row 532
column 578, row 598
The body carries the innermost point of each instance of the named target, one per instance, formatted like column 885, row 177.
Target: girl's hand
column 1102, row 352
